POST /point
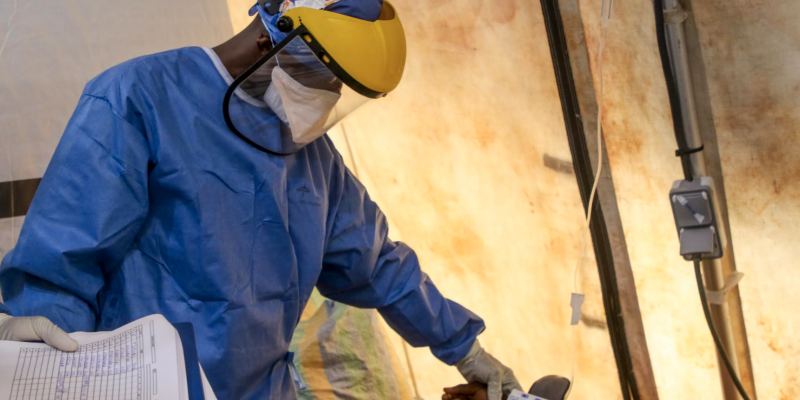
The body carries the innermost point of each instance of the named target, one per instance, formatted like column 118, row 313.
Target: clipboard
column 194, row 382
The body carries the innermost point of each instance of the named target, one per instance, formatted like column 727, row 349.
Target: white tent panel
column 50, row 49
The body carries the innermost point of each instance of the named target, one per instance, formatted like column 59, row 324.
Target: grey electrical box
column 694, row 209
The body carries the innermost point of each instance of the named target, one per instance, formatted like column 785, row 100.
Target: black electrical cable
column 684, row 152
column 585, row 177
column 707, row 311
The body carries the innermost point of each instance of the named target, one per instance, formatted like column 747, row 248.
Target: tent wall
column 464, row 159
column 459, row 158
column 50, row 49
column 640, row 141
column 577, row 88
column 750, row 56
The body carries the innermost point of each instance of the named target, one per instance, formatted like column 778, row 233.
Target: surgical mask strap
column 268, row 21
column 277, row 56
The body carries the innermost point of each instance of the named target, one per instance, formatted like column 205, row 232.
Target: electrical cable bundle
column 684, row 152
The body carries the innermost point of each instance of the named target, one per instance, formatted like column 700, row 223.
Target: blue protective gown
column 151, row 205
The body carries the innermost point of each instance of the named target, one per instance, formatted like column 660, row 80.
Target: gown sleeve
column 86, row 212
column 362, row 267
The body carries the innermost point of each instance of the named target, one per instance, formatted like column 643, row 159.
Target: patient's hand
column 469, row 391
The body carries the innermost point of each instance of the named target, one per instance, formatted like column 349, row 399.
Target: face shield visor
column 327, row 66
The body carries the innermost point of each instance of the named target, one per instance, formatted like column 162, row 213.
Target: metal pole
column 675, row 17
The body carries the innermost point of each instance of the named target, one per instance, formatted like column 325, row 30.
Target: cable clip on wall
column 717, row 297
column 675, row 15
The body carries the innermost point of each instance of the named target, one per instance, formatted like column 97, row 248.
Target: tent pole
column 623, row 316
column 728, row 317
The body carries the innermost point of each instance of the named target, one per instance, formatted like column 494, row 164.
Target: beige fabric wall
column 455, row 158
column 752, row 55
column 641, row 145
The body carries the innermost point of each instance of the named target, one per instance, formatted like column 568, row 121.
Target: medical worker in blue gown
column 179, row 190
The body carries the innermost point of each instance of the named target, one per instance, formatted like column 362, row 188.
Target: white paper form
column 142, row 360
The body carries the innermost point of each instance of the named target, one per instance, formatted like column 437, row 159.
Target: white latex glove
column 26, row 329
column 480, row 366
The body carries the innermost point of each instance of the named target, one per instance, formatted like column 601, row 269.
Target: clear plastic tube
column 605, row 16
column 605, row 12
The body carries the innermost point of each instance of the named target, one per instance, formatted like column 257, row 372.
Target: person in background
column 199, row 184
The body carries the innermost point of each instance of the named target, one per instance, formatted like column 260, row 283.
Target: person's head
column 256, row 40
column 306, row 64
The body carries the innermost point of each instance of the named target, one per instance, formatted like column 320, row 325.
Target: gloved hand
column 480, row 366
column 25, row 329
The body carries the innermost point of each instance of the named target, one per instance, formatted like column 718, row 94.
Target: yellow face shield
column 327, row 66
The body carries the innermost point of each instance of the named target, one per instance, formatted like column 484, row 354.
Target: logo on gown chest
column 303, row 190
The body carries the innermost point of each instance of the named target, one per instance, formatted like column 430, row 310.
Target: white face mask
column 304, row 109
